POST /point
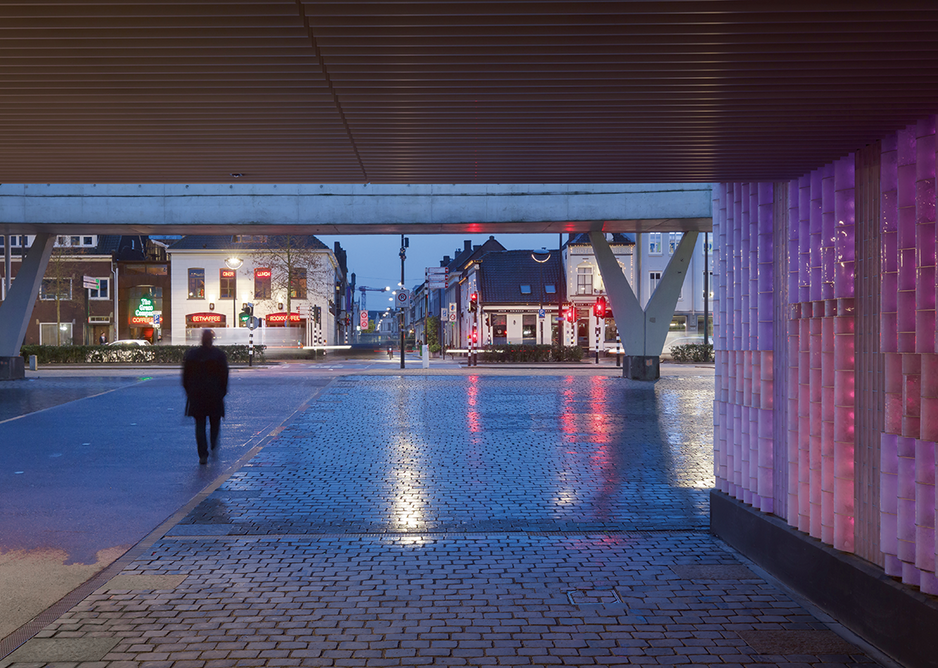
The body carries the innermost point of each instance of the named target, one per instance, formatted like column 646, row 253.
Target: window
column 700, row 325
column 250, row 238
column 75, row 241
column 528, row 329
column 678, row 324
column 584, row 280
column 674, row 238
column 525, row 289
column 550, row 289
column 654, row 243
column 56, row 289
column 298, row 283
column 226, row 283
column 196, row 284
column 262, row 283
column 87, row 241
column 499, row 329
column 53, row 334
column 654, row 277
column 611, row 332
column 103, row 291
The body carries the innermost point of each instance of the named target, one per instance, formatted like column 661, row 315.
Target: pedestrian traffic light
column 569, row 313
column 317, row 314
column 473, row 302
column 475, row 335
column 599, row 308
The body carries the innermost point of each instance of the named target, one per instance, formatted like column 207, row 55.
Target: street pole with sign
column 403, row 255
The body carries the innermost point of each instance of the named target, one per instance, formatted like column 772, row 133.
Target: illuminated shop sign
column 227, row 273
column 282, row 317
column 145, row 308
column 141, row 321
column 204, row 319
column 262, row 273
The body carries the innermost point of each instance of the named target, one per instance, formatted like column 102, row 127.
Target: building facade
column 290, row 281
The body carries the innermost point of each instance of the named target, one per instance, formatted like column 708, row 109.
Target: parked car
column 130, row 342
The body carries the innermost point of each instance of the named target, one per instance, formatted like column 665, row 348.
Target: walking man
column 205, row 379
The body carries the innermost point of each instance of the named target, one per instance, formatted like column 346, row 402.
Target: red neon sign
column 205, row 318
column 227, row 273
column 141, row 320
column 282, row 317
column 262, row 273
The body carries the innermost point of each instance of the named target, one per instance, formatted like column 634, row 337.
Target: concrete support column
column 17, row 308
column 643, row 332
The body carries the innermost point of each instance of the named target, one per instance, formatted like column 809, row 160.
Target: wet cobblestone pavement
column 454, row 521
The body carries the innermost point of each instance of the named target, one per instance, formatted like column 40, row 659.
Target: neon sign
column 282, row 317
column 227, row 273
column 145, row 309
column 205, row 318
column 262, row 273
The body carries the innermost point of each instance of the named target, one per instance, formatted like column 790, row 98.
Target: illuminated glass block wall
column 797, row 276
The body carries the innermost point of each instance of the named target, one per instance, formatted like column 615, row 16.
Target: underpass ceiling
column 285, row 91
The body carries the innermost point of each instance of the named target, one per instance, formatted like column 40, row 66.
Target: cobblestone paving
column 455, row 521
column 481, row 454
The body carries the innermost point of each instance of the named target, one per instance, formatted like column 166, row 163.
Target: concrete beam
column 351, row 209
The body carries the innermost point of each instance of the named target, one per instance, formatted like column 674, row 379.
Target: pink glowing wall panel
column 817, row 370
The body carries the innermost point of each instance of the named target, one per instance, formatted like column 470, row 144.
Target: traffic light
column 247, row 312
column 599, row 308
column 473, row 302
column 569, row 313
column 317, row 314
column 475, row 335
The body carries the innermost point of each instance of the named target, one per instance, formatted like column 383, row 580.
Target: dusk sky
column 375, row 260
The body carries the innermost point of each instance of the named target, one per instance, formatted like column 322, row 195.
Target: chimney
column 445, row 261
column 467, row 245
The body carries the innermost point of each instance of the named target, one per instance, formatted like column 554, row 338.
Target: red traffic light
column 474, row 297
column 570, row 314
column 599, row 308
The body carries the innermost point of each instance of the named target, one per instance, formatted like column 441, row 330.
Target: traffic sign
column 541, row 313
column 363, row 319
column 452, row 316
column 89, row 282
column 402, row 298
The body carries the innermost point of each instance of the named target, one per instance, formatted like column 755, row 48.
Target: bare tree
column 301, row 268
column 59, row 280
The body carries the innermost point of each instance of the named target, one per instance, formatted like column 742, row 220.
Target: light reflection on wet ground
column 21, row 397
column 481, row 453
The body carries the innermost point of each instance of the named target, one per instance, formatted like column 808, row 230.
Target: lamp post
column 234, row 263
column 540, row 295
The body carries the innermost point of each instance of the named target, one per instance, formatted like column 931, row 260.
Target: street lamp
column 234, row 263
column 545, row 254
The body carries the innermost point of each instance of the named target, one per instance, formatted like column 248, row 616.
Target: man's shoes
column 203, row 460
column 214, row 445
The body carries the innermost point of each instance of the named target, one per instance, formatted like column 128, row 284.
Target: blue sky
column 375, row 260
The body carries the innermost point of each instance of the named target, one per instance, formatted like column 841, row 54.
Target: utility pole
column 401, row 317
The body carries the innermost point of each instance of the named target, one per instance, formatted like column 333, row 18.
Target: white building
column 215, row 277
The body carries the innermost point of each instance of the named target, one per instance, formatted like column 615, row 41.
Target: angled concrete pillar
column 17, row 308
column 643, row 331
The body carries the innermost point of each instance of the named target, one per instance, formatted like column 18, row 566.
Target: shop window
column 499, row 329
column 103, row 291
column 197, row 284
column 56, row 288
column 226, row 283
column 55, row 334
column 298, row 283
column 262, row 283
column 529, row 329
column 678, row 324
column 611, row 331
column 654, row 243
column 700, row 325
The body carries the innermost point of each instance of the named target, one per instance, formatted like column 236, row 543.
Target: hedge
column 692, row 352
column 128, row 354
column 522, row 353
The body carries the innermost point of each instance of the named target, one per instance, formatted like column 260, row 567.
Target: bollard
column 33, row 363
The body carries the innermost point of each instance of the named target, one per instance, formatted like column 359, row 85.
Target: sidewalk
column 451, row 520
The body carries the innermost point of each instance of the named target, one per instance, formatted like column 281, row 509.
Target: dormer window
column 525, row 289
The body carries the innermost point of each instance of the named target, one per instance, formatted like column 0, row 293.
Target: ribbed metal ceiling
column 453, row 92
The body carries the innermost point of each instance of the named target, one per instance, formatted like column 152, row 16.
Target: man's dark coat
column 205, row 378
